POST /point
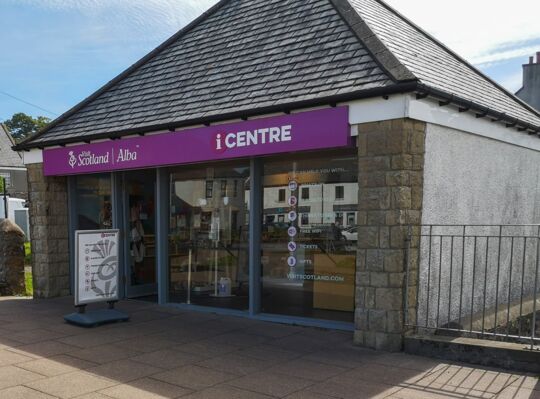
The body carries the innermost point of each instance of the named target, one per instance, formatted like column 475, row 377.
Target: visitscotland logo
column 278, row 134
column 88, row 158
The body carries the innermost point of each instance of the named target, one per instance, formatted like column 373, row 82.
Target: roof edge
column 399, row 88
column 464, row 105
column 375, row 46
column 457, row 56
column 127, row 71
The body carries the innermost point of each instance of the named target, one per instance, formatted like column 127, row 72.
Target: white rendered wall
column 470, row 179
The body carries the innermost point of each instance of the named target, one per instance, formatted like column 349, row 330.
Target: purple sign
column 312, row 130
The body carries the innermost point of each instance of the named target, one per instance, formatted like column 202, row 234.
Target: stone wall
column 49, row 233
column 11, row 258
column 391, row 162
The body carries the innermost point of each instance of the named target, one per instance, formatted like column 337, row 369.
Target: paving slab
column 70, row 385
column 270, row 383
column 21, row 392
column 194, row 377
column 146, row 388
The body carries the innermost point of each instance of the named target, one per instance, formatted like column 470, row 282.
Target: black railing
column 478, row 281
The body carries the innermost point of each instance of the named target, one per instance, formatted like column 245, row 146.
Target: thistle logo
column 72, row 160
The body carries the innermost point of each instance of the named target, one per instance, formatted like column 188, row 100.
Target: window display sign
column 311, row 130
column 96, row 266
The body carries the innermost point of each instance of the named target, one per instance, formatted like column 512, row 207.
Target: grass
column 28, row 282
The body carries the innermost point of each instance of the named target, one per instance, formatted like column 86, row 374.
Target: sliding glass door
column 208, row 236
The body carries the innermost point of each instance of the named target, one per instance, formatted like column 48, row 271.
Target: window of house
column 340, row 192
column 209, row 188
column 281, row 195
column 305, row 193
column 351, row 219
column 224, row 188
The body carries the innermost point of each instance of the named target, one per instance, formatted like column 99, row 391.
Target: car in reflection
column 350, row 233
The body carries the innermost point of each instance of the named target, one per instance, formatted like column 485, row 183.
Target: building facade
column 276, row 173
column 12, row 168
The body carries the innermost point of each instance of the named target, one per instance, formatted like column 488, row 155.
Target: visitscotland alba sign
column 312, row 130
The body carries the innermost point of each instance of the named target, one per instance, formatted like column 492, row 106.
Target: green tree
column 22, row 125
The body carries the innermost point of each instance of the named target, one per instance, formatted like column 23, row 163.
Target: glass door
column 208, row 236
column 140, row 237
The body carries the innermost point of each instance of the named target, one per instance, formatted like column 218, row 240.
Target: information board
column 96, row 266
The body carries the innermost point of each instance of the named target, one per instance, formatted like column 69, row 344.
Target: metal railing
column 477, row 281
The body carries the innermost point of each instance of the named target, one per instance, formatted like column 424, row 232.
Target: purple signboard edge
column 310, row 130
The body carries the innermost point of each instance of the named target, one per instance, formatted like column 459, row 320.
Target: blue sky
column 57, row 52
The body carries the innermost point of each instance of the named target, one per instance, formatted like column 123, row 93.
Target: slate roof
column 8, row 157
column 244, row 57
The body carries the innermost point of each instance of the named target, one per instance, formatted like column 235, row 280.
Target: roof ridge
column 457, row 56
column 382, row 55
column 124, row 74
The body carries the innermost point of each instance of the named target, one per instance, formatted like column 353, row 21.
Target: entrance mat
column 95, row 318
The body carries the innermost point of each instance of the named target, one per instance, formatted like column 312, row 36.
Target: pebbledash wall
column 417, row 164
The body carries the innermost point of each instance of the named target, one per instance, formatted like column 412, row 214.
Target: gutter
column 481, row 111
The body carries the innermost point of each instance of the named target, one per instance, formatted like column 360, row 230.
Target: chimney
column 530, row 92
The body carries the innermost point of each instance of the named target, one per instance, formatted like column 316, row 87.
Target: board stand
column 93, row 318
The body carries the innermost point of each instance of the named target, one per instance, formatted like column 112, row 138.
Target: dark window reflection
column 93, row 202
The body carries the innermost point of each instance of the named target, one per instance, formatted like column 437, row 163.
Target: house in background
column 11, row 166
column 530, row 91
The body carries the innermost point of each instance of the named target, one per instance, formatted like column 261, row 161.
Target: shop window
column 93, row 202
column 340, row 192
column 7, row 179
column 281, row 195
column 308, row 263
column 305, row 193
column 208, row 237
column 209, row 189
column 281, row 218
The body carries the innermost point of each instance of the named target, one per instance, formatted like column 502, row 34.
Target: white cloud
column 150, row 18
column 481, row 31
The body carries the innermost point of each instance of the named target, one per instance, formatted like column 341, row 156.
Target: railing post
column 535, row 292
column 407, row 277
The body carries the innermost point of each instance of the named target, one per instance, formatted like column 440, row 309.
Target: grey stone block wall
column 49, row 233
column 391, row 162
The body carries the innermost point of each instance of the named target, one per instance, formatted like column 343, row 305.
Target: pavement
column 170, row 353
